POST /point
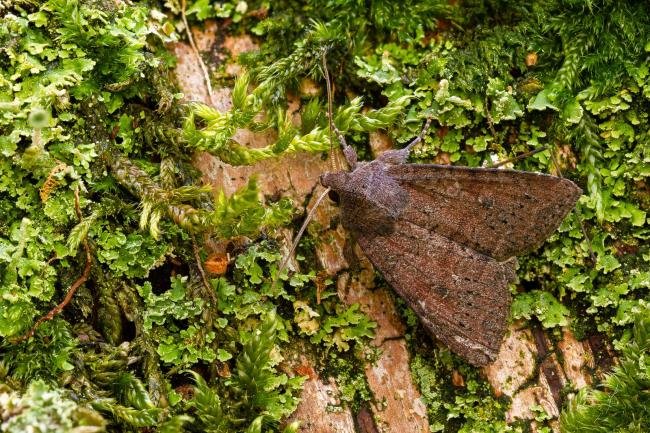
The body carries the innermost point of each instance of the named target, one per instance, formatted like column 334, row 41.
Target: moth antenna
column 330, row 122
column 348, row 151
column 421, row 135
column 294, row 245
column 518, row 157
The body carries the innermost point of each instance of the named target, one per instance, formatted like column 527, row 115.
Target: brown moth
column 445, row 237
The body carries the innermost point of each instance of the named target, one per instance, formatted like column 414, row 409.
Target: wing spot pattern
column 504, row 217
column 455, row 291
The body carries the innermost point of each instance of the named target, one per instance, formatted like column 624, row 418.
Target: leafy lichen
column 86, row 104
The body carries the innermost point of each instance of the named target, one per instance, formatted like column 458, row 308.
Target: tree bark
column 531, row 370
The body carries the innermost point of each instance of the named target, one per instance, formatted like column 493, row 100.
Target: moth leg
column 348, row 151
column 401, row 156
column 350, row 156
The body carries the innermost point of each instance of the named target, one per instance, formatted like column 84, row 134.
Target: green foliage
column 543, row 305
column 78, row 80
column 129, row 416
column 265, row 395
column 246, row 336
column 622, row 403
column 203, row 9
column 131, row 255
column 468, row 409
column 208, row 406
column 243, row 214
column 44, row 409
column 264, row 392
column 303, row 60
column 54, row 57
column 338, row 330
column 24, row 277
column 46, row 356
column 174, row 317
column 348, row 370
column 170, row 305
column 187, row 347
column 216, row 135
column 87, row 105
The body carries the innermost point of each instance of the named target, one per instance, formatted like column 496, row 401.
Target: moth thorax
column 337, row 180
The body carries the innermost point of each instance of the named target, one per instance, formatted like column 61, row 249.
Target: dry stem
column 204, row 69
column 73, row 288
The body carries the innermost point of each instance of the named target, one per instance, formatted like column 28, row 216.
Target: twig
column 73, row 288
column 556, row 163
column 204, row 69
column 488, row 116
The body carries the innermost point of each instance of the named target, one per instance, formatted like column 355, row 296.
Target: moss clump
column 42, row 408
column 96, row 181
column 468, row 406
column 622, row 402
column 97, row 147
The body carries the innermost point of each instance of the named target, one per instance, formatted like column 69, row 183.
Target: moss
column 87, row 107
column 41, row 407
column 621, row 404
column 452, row 408
column 349, row 373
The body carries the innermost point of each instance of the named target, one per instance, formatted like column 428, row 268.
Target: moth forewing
column 442, row 237
column 500, row 213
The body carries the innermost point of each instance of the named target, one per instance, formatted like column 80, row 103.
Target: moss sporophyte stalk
column 97, row 180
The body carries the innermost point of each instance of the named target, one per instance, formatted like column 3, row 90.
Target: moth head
column 336, row 180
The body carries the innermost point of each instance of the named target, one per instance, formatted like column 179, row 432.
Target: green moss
column 621, row 404
column 86, row 105
column 47, row 409
column 467, row 408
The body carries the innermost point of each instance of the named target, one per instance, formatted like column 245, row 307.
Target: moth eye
column 334, row 196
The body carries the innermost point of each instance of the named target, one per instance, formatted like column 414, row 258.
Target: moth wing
column 460, row 295
column 500, row 213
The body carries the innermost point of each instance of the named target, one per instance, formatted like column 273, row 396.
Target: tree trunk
column 531, row 369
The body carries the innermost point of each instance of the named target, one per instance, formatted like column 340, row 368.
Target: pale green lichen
column 86, row 104
column 43, row 409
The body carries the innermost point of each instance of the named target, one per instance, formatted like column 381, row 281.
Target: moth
column 445, row 237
